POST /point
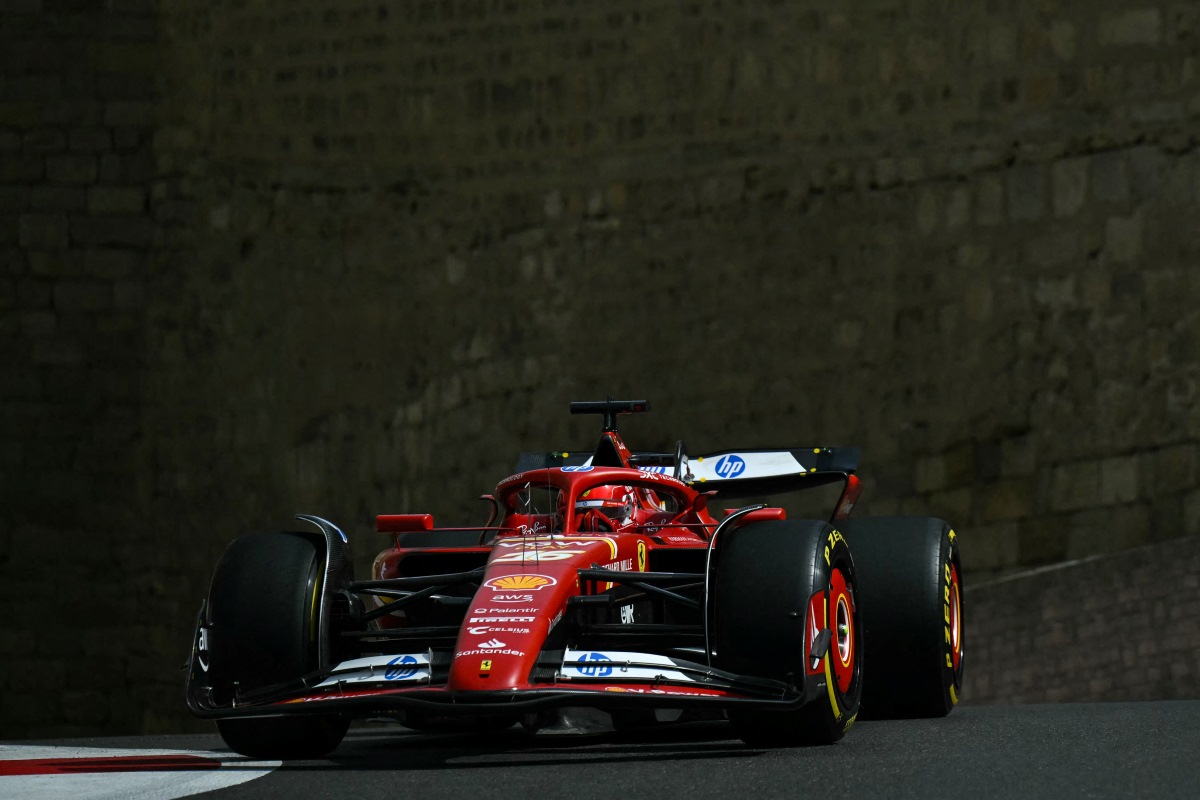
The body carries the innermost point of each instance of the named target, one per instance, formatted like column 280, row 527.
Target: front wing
column 388, row 684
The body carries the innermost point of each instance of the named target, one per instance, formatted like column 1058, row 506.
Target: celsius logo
column 400, row 668
column 602, row 667
column 730, row 466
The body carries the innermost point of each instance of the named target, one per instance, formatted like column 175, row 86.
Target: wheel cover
column 842, row 624
column 955, row 621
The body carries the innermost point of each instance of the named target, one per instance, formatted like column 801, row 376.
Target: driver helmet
column 615, row 503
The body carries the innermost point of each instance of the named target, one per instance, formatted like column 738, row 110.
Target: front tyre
column 262, row 622
column 777, row 587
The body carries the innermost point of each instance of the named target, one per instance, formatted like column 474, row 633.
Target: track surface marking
column 33, row 772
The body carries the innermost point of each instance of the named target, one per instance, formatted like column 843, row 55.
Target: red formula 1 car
column 604, row 588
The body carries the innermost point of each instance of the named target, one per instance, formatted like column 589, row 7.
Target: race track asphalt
column 1102, row 750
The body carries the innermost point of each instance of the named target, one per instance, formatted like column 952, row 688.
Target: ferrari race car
column 604, row 587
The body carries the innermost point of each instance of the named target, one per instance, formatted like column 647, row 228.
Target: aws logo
column 502, row 597
column 510, row 583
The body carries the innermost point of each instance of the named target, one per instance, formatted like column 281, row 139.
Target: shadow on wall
column 1122, row 626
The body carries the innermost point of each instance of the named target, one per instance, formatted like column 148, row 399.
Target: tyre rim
column 841, row 620
column 955, row 618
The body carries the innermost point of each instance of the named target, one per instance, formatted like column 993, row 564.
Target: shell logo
column 527, row 582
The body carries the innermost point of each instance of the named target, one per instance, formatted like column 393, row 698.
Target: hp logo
column 730, row 466
column 400, row 668
column 601, row 669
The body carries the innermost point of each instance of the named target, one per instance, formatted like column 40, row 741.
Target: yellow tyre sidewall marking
column 314, row 617
column 833, row 703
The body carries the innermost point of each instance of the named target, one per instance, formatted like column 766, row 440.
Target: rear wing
column 733, row 473
column 755, row 473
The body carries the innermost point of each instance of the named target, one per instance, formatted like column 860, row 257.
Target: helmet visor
column 613, row 510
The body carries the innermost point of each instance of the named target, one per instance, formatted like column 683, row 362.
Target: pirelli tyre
column 262, row 623
column 910, row 589
column 778, row 587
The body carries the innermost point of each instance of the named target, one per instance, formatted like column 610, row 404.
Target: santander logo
column 492, row 644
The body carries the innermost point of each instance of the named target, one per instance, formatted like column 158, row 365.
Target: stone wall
column 78, row 94
column 346, row 259
column 1115, row 627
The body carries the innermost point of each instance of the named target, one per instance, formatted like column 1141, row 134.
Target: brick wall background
column 81, row 637
column 349, row 258
column 1115, row 627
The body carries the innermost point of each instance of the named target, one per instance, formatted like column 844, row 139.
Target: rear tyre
column 262, row 620
column 773, row 583
column 912, row 605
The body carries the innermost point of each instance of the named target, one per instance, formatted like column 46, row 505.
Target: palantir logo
column 601, row 669
column 400, row 668
column 730, row 466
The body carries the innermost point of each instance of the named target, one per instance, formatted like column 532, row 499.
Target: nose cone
column 526, row 589
column 504, row 629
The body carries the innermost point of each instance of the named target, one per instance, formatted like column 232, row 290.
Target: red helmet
column 614, row 503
